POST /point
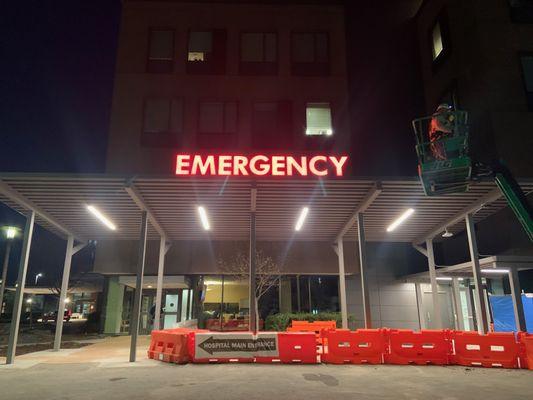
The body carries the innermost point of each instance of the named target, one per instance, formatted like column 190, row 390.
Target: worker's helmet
column 444, row 107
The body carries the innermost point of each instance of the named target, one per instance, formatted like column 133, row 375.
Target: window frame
column 441, row 19
column 319, row 142
column 259, row 67
column 306, row 68
column 217, row 140
column 165, row 66
column 167, row 138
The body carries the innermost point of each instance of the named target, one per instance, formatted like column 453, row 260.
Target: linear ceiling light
column 203, row 218
column 103, row 219
column 495, row 271
column 301, row 218
column 444, row 278
column 402, row 218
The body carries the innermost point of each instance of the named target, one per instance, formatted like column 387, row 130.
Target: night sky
column 56, row 87
column 56, row 79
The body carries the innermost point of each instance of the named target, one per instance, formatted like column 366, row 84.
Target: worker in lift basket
column 441, row 127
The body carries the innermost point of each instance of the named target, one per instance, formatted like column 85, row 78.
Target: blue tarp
column 503, row 313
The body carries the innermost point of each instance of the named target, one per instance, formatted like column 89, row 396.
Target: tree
column 267, row 274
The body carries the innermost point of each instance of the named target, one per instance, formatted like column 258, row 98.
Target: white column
column 138, row 287
column 481, row 316
column 342, row 285
column 459, row 320
column 516, row 294
column 63, row 293
column 434, row 285
column 159, row 287
column 362, row 269
column 19, row 292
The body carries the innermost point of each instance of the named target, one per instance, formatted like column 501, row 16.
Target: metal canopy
column 60, row 204
column 504, row 262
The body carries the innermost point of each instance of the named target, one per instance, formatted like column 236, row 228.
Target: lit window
column 200, row 46
column 160, row 51
column 438, row 46
column 318, row 120
column 206, row 52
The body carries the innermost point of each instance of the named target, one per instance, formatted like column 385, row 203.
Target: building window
column 310, row 53
column 206, row 52
column 439, row 39
column 217, row 124
column 258, row 54
column 160, row 51
column 272, row 125
column 526, row 61
column 163, row 122
column 521, row 11
column 318, row 119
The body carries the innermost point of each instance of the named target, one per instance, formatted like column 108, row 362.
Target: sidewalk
column 106, row 352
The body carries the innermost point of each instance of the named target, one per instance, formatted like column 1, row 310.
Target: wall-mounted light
column 495, row 271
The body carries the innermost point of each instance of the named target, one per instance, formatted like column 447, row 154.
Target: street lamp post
column 10, row 232
column 29, row 301
column 37, row 277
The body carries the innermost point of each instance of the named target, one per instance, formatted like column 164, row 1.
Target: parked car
column 52, row 315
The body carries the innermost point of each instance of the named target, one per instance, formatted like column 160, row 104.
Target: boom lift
column 457, row 170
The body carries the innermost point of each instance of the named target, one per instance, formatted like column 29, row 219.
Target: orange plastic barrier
column 526, row 350
column 420, row 348
column 317, row 326
column 297, row 347
column 490, row 350
column 363, row 346
column 169, row 346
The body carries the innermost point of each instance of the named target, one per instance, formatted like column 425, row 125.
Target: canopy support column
column 252, row 262
column 138, row 287
column 459, row 322
column 298, row 294
column 482, row 324
column 159, row 286
column 19, row 292
column 434, row 284
column 63, row 293
column 514, row 282
column 342, row 285
column 362, row 268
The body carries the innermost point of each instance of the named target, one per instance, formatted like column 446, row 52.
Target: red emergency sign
column 259, row 165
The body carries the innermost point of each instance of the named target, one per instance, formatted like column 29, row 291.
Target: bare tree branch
column 268, row 272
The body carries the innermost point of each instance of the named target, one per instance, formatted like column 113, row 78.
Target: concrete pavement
column 101, row 371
